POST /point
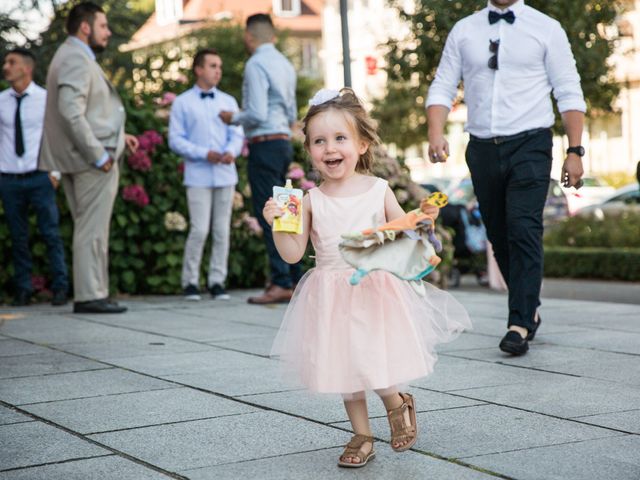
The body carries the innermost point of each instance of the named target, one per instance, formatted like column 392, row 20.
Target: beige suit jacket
column 84, row 113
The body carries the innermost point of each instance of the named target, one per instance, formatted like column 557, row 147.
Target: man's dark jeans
column 511, row 181
column 18, row 193
column 268, row 165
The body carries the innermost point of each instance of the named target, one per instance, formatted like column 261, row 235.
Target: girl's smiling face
column 334, row 145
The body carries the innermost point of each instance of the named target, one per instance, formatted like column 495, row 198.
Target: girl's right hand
column 271, row 210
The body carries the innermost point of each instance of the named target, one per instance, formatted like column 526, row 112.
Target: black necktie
column 508, row 17
column 206, row 94
column 18, row 127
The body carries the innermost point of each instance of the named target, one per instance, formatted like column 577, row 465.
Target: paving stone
column 210, row 442
column 211, row 360
column 615, row 458
column 256, row 345
column 97, row 468
column 387, row 465
column 330, row 408
column 45, row 363
column 626, row 421
column 562, row 396
column 609, row 341
column 31, row 443
column 135, row 345
column 485, row 429
column 452, row 374
column 131, row 410
column 8, row 416
column 12, row 348
column 65, row 386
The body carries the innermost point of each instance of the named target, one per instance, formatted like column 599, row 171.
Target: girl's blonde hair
column 363, row 124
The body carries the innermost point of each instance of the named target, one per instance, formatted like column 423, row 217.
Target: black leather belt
column 508, row 138
column 20, row 175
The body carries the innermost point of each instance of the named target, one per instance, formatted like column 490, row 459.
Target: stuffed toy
column 405, row 247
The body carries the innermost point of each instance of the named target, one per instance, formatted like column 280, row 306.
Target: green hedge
column 593, row 262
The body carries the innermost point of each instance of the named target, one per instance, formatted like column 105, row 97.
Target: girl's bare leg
column 392, row 399
column 359, row 416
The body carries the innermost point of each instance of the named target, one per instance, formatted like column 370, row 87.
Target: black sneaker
column 514, row 344
column 192, row 293
column 218, row 293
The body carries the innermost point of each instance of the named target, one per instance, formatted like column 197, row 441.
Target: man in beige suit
column 84, row 139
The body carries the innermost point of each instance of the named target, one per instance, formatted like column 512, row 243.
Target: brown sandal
column 400, row 431
column 354, row 450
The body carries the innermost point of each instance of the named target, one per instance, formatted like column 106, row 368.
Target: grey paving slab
column 12, row 348
column 193, row 362
column 33, row 443
column 471, row 341
column 616, row 458
column 486, row 429
column 582, row 362
column 97, row 468
column 626, row 421
column 45, row 363
column 134, row 345
column 562, row 396
column 609, row 341
column 330, row 408
column 257, row 345
column 321, row 464
column 234, row 381
column 66, row 386
column 131, row 410
column 452, row 374
column 210, row 442
column 8, row 416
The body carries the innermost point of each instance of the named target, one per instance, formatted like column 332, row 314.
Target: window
column 168, row 11
column 286, row 8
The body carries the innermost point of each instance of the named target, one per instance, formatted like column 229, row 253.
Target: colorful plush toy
column 405, row 247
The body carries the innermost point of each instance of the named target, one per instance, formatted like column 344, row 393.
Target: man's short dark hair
column 83, row 12
column 24, row 53
column 198, row 60
column 261, row 27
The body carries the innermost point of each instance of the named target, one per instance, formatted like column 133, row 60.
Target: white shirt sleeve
column 444, row 87
column 562, row 72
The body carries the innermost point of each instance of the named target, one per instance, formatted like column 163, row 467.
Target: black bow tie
column 206, row 94
column 508, row 17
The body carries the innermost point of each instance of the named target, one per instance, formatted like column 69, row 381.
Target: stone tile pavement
column 187, row 390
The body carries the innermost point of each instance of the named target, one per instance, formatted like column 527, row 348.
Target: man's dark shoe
column 218, row 292
column 59, row 298
column 192, row 293
column 514, row 344
column 98, row 306
column 21, row 299
column 532, row 333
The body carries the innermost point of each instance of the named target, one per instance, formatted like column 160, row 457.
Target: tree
column 412, row 61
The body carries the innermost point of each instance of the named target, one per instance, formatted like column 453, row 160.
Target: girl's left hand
column 428, row 209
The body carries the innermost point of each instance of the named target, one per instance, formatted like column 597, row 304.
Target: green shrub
column 593, row 262
column 622, row 230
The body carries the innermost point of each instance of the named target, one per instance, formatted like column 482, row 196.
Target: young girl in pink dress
column 380, row 334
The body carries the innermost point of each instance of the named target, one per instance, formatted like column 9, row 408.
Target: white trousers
column 208, row 208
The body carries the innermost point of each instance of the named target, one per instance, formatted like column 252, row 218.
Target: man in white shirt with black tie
column 21, row 183
column 209, row 148
column 511, row 57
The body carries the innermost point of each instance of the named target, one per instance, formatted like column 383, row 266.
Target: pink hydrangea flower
column 38, row 282
column 135, row 194
column 181, row 167
column 140, row 161
column 295, row 173
column 307, row 184
column 254, row 226
column 149, row 140
column 167, row 99
column 245, row 148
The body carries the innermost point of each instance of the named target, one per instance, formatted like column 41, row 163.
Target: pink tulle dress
column 379, row 334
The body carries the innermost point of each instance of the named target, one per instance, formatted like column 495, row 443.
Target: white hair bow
column 323, row 95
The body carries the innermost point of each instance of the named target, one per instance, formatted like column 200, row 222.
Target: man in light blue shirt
column 269, row 111
column 209, row 148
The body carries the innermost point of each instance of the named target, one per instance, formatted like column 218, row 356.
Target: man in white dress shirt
column 511, row 57
column 209, row 148
column 21, row 183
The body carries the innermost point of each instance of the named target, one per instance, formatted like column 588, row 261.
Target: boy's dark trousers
column 510, row 177
column 268, row 165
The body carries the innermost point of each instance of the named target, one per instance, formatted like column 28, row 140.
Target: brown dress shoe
column 273, row 294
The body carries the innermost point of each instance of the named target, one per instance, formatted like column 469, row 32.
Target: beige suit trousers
column 90, row 195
